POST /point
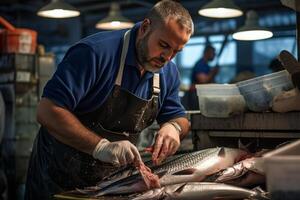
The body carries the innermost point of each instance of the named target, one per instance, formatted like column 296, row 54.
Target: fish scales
column 186, row 161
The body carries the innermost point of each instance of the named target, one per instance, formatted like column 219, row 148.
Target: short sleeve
column 74, row 77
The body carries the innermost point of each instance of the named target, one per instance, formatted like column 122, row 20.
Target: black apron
column 55, row 167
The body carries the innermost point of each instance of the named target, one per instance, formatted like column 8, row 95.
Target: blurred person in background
column 202, row 74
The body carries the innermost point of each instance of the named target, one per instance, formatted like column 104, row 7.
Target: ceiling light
column 251, row 30
column 220, row 9
column 58, row 9
column 114, row 20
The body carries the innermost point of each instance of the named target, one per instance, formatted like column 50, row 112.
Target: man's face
column 158, row 45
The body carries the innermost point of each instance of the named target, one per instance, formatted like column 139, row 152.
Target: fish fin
column 221, row 152
column 185, row 172
column 180, row 188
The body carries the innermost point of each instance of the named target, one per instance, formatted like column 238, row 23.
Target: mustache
column 161, row 59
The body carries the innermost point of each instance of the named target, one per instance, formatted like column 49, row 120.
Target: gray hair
column 165, row 9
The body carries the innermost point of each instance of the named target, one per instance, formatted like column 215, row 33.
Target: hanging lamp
column 252, row 30
column 114, row 20
column 220, row 9
column 58, row 9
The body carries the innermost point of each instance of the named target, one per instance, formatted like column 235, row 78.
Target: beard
column 143, row 57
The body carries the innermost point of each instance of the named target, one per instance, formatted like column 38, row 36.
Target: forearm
column 65, row 127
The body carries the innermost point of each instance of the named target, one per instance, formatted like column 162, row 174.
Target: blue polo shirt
column 200, row 67
column 87, row 74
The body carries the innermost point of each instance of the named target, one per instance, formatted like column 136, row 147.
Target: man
column 102, row 96
column 202, row 73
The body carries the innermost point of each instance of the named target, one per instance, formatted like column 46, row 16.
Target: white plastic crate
column 220, row 100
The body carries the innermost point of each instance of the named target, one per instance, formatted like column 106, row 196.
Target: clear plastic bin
column 259, row 92
column 220, row 100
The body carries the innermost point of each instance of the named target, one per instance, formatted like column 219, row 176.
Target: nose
column 167, row 54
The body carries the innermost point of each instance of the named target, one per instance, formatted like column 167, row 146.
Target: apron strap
column 123, row 57
column 156, row 88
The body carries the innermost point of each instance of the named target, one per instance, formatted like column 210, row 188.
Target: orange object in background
column 17, row 40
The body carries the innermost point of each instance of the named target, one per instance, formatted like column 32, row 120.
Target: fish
column 247, row 172
column 202, row 191
column 189, row 167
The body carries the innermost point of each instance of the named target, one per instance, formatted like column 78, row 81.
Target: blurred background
column 232, row 56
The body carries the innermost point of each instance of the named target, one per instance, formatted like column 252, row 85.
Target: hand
column 117, row 153
column 166, row 143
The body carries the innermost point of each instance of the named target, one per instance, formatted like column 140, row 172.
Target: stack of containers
column 220, row 100
column 19, row 87
column 259, row 92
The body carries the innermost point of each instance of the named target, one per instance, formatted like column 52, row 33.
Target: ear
column 145, row 27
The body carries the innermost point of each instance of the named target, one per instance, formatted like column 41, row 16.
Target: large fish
column 202, row 191
column 190, row 167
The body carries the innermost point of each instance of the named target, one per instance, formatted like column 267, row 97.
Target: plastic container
column 17, row 40
column 17, row 61
column 259, row 92
column 220, row 101
column 283, row 172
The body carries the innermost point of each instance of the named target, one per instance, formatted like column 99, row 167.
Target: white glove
column 117, row 153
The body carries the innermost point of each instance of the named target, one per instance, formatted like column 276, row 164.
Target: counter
column 265, row 130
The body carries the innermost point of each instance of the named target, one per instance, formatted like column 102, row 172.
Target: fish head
column 231, row 155
column 255, row 164
column 231, row 173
